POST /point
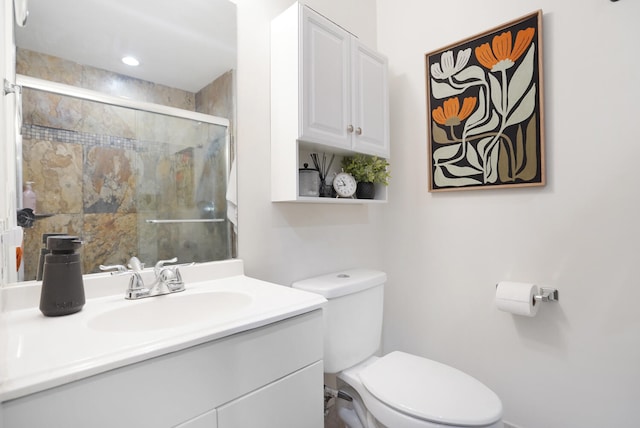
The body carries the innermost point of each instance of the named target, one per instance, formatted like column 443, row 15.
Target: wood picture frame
column 485, row 115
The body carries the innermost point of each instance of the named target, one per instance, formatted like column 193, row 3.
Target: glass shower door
column 181, row 197
column 129, row 182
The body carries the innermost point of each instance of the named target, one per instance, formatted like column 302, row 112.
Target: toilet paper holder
column 547, row 295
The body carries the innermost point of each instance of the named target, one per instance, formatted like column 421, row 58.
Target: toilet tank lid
column 341, row 283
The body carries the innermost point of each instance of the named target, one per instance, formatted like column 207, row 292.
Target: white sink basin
column 171, row 311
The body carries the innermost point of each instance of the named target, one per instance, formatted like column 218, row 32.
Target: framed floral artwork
column 485, row 111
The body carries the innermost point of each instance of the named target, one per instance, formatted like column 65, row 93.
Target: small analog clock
column 345, row 185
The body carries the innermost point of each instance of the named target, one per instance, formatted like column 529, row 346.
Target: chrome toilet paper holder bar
column 547, row 295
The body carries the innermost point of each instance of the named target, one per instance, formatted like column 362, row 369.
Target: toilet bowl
column 401, row 390
column 397, row 390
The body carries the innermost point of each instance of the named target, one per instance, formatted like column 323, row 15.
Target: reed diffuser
column 323, row 168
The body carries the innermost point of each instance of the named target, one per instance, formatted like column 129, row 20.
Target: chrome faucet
column 168, row 278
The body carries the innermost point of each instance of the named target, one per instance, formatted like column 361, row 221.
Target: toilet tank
column 352, row 316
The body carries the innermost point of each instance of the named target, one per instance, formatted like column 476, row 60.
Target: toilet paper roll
column 517, row 298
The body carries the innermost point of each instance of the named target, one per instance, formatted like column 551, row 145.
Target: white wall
column 284, row 242
column 577, row 364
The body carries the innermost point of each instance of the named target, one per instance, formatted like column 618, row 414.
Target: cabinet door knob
column 358, row 131
column 350, row 128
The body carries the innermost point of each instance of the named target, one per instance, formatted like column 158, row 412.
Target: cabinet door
column 293, row 401
column 326, row 83
column 370, row 101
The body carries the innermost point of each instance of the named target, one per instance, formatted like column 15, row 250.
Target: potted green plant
column 367, row 170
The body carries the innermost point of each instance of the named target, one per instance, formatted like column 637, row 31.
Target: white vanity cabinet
column 268, row 377
column 329, row 94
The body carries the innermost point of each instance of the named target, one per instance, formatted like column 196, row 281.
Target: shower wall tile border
column 44, row 133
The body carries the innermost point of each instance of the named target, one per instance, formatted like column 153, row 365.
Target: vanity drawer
column 294, row 401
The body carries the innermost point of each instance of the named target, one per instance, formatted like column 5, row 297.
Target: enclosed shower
column 128, row 177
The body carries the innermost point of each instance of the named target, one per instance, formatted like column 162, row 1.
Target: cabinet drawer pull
column 350, row 128
column 358, row 131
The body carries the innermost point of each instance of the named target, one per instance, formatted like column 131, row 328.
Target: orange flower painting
column 484, row 109
column 451, row 114
column 503, row 54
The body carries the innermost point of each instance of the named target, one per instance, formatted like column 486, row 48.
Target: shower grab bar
column 186, row 220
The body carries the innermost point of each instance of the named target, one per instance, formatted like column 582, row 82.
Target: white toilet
column 398, row 390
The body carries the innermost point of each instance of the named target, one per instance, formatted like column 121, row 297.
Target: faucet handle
column 158, row 267
column 135, row 264
column 169, row 276
column 115, row 269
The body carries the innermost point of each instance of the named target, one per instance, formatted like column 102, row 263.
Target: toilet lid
column 432, row 391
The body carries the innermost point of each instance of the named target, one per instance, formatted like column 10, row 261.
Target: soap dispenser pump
column 62, row 290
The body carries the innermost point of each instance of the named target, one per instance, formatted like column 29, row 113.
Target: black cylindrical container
column 62, row 287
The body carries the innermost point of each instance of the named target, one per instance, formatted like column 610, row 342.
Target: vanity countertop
column 38, row 352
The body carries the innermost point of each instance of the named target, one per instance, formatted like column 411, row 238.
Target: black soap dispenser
column 43, row 253
column 62, row 287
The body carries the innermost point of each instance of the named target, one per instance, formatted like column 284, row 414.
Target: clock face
column 344, row 184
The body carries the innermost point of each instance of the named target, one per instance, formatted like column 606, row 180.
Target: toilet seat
column 422, row 392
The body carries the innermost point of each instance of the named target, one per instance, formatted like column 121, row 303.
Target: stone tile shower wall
column 103, row 170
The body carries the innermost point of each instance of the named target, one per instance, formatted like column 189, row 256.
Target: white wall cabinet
column 329, row 94
column 251, row 379
column 370, row 101
column 344, row 89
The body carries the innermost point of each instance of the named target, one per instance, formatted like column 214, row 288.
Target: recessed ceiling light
column 129, row 60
